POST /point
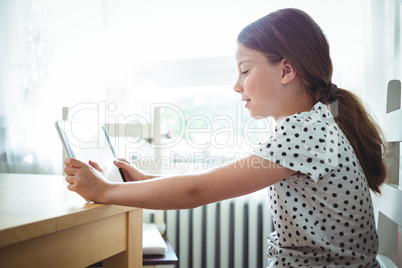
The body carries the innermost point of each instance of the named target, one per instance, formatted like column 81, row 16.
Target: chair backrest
column 149, row 132
column 388, row 204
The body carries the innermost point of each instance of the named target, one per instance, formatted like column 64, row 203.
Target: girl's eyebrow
column 241, row 62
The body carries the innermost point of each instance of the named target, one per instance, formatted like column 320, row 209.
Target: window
column 132, row 54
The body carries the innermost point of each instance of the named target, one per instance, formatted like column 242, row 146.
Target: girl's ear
column 288, row 72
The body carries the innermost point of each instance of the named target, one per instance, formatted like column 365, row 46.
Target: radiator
column 227, row 234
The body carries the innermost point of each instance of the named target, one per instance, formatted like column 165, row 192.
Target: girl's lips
column 247, row 102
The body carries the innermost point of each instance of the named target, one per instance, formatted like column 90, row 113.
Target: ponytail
column 363, row 133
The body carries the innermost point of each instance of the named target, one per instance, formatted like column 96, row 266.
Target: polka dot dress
column 323, row 214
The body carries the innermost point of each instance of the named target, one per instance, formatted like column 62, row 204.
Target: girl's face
column 261, row 84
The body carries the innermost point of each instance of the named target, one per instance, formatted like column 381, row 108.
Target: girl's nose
column 237, row 87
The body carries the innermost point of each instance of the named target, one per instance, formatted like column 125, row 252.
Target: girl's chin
column 257, row 115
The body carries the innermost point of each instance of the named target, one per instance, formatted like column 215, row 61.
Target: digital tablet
column 90, row 141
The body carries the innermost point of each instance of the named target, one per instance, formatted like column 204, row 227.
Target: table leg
column 132, row 256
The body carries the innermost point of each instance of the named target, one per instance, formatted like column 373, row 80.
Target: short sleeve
column 306, row 143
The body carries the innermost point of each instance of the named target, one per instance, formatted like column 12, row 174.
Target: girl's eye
column 244, row 73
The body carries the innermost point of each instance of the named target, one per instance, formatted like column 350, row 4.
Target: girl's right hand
column 131, row 173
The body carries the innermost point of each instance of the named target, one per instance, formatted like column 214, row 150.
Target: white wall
column 382, row 46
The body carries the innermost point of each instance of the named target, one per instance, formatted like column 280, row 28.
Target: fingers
column 126, row 167
column 124, row 164
column 69, row 170
column 74, row 162
column 95, row 166
column 71, row 187
column 124, row 160
column 70, row 179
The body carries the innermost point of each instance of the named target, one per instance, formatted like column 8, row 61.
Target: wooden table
column 42, row 224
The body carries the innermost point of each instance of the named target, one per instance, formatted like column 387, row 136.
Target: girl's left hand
column 88, row 180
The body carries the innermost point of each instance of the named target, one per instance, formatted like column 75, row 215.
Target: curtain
column 24, row 55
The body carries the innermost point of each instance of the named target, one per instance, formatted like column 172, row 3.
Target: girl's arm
column 176, row 192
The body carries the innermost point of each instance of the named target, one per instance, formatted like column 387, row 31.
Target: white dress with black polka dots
column 322, row 214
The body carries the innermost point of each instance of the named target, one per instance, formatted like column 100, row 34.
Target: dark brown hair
column 292, row 34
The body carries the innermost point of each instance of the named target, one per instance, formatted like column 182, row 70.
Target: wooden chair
column 388, row 204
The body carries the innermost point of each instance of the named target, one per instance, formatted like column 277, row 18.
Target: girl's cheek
column 250, row 88
column 247, row 85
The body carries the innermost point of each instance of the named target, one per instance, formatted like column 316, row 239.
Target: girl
column 319, row 164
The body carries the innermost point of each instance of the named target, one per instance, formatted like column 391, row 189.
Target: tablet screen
column 90, row 141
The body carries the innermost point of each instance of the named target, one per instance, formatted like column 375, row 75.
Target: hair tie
column 332, row 90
